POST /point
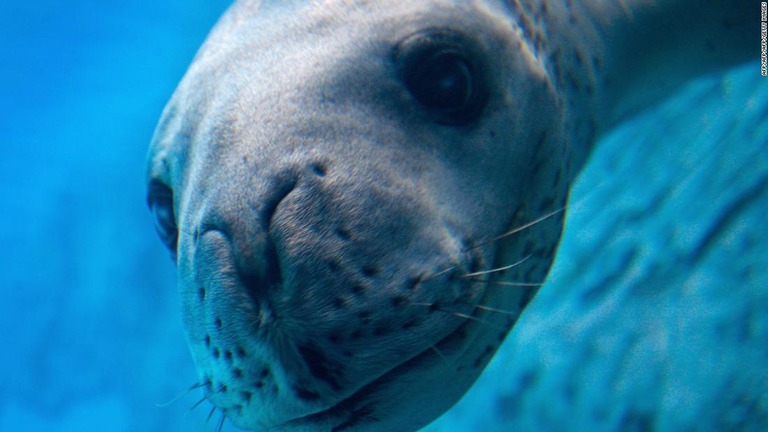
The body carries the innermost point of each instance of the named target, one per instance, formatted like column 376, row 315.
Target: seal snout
column 329, row 283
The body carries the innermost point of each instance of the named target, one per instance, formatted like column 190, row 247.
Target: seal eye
column 442, row 82
column 160, row 199
column 440, row 68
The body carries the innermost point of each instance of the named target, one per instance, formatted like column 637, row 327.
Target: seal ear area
column 445, row 72
column 160, row 202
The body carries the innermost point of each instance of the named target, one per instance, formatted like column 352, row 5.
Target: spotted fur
column 351, row 257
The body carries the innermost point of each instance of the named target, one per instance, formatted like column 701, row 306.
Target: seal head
column 336, row 190
column 356, row 192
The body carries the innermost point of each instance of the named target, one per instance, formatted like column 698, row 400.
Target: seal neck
column 637, row 52
column 609, row 60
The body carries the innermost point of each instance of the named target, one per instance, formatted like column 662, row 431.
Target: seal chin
column 367, row 407
column 364, row 409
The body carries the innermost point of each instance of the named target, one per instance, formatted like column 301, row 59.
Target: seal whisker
column 440, row 273
column 432, row 306
column 179, row 395
column 221, row 422
column 498, row 269
column 440, row 354
column 519, row 229
column 197, row 404
column 510, row 284
column 495, row 310
column 472, row 318
column 437, row 351
column 210, row 415
column 517, row 284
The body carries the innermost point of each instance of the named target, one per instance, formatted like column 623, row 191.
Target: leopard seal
column 362, row 196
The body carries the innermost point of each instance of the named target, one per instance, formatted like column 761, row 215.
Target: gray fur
column 327, row 226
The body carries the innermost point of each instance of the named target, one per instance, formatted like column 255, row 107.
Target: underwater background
column 655, row 315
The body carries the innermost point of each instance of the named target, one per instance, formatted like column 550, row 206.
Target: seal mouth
column 361, row 407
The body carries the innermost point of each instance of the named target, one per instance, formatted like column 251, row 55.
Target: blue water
column 91, row 337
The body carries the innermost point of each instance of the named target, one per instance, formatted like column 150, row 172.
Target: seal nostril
column 272, row 277
column 282, row 187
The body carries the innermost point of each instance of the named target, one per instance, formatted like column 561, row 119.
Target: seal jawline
column 361, row 406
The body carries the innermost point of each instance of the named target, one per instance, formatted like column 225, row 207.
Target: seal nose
column 257, row 241
column 256, row 261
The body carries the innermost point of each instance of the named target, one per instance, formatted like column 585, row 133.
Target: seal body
column 362, row 197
